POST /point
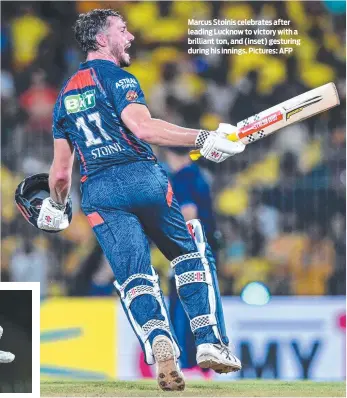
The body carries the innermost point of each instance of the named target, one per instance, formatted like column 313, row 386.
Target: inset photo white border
column 35, row 288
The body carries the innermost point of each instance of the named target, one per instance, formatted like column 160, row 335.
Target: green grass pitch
column 242, row 388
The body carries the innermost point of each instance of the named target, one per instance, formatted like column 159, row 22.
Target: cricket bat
column 282, row 115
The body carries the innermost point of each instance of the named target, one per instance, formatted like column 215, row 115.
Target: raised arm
column 155, row 131
column 213, row 146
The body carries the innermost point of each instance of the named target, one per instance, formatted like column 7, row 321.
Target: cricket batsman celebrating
column 101, row 114
column 5, row 357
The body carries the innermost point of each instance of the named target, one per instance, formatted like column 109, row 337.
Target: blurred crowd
column 280, row 205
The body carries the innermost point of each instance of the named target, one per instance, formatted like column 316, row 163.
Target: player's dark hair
column 88, row 25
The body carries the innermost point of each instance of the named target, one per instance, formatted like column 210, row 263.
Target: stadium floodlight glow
column 256, row 293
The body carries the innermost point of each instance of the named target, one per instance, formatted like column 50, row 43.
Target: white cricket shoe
column 217, row 357
column 6, row 357
column 169, row 374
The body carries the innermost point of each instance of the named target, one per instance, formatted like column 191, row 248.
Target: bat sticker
column 305, row 104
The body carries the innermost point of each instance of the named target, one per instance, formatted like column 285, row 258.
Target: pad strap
column 184, row 257
column 193, row 277
column 202, row 320
column 121, row 288
column 139, row 291
column 153, row 324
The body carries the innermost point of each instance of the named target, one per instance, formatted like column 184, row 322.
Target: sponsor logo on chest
column 80, row 102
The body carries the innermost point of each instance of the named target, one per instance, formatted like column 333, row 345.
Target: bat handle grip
column 233, row 137
column 195, row 154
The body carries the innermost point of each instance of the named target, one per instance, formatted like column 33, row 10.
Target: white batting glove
column 215, row 145
column 5, row 357
column 225, row 129
column 52, row 216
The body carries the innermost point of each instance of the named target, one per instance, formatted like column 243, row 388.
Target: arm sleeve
column 57, row 126
column 58, row 131
column 124, row 91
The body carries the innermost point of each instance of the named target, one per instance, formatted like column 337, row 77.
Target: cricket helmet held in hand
column 29, row 196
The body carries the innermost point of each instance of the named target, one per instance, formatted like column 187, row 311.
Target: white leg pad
column 144, row 331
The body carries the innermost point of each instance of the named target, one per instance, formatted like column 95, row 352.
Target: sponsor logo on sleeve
column 80, row 102
column 128, row 82
column 131, row 95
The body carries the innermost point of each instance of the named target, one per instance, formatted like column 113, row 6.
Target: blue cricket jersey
column 88, row 114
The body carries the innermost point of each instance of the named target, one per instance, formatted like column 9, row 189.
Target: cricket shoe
column 217, row 357
column 169, row 374
column 6, row 357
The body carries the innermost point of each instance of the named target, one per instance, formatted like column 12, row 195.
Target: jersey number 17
column 90, row 138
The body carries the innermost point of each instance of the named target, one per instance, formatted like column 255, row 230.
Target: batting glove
column 52, row 216
column 216, row 146
column 5, row 357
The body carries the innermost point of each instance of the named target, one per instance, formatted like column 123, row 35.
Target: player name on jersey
column 106, row 150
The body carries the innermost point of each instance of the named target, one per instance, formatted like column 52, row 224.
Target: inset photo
column 20, row 338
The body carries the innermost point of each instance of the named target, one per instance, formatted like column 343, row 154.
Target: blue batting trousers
column 129, row 204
